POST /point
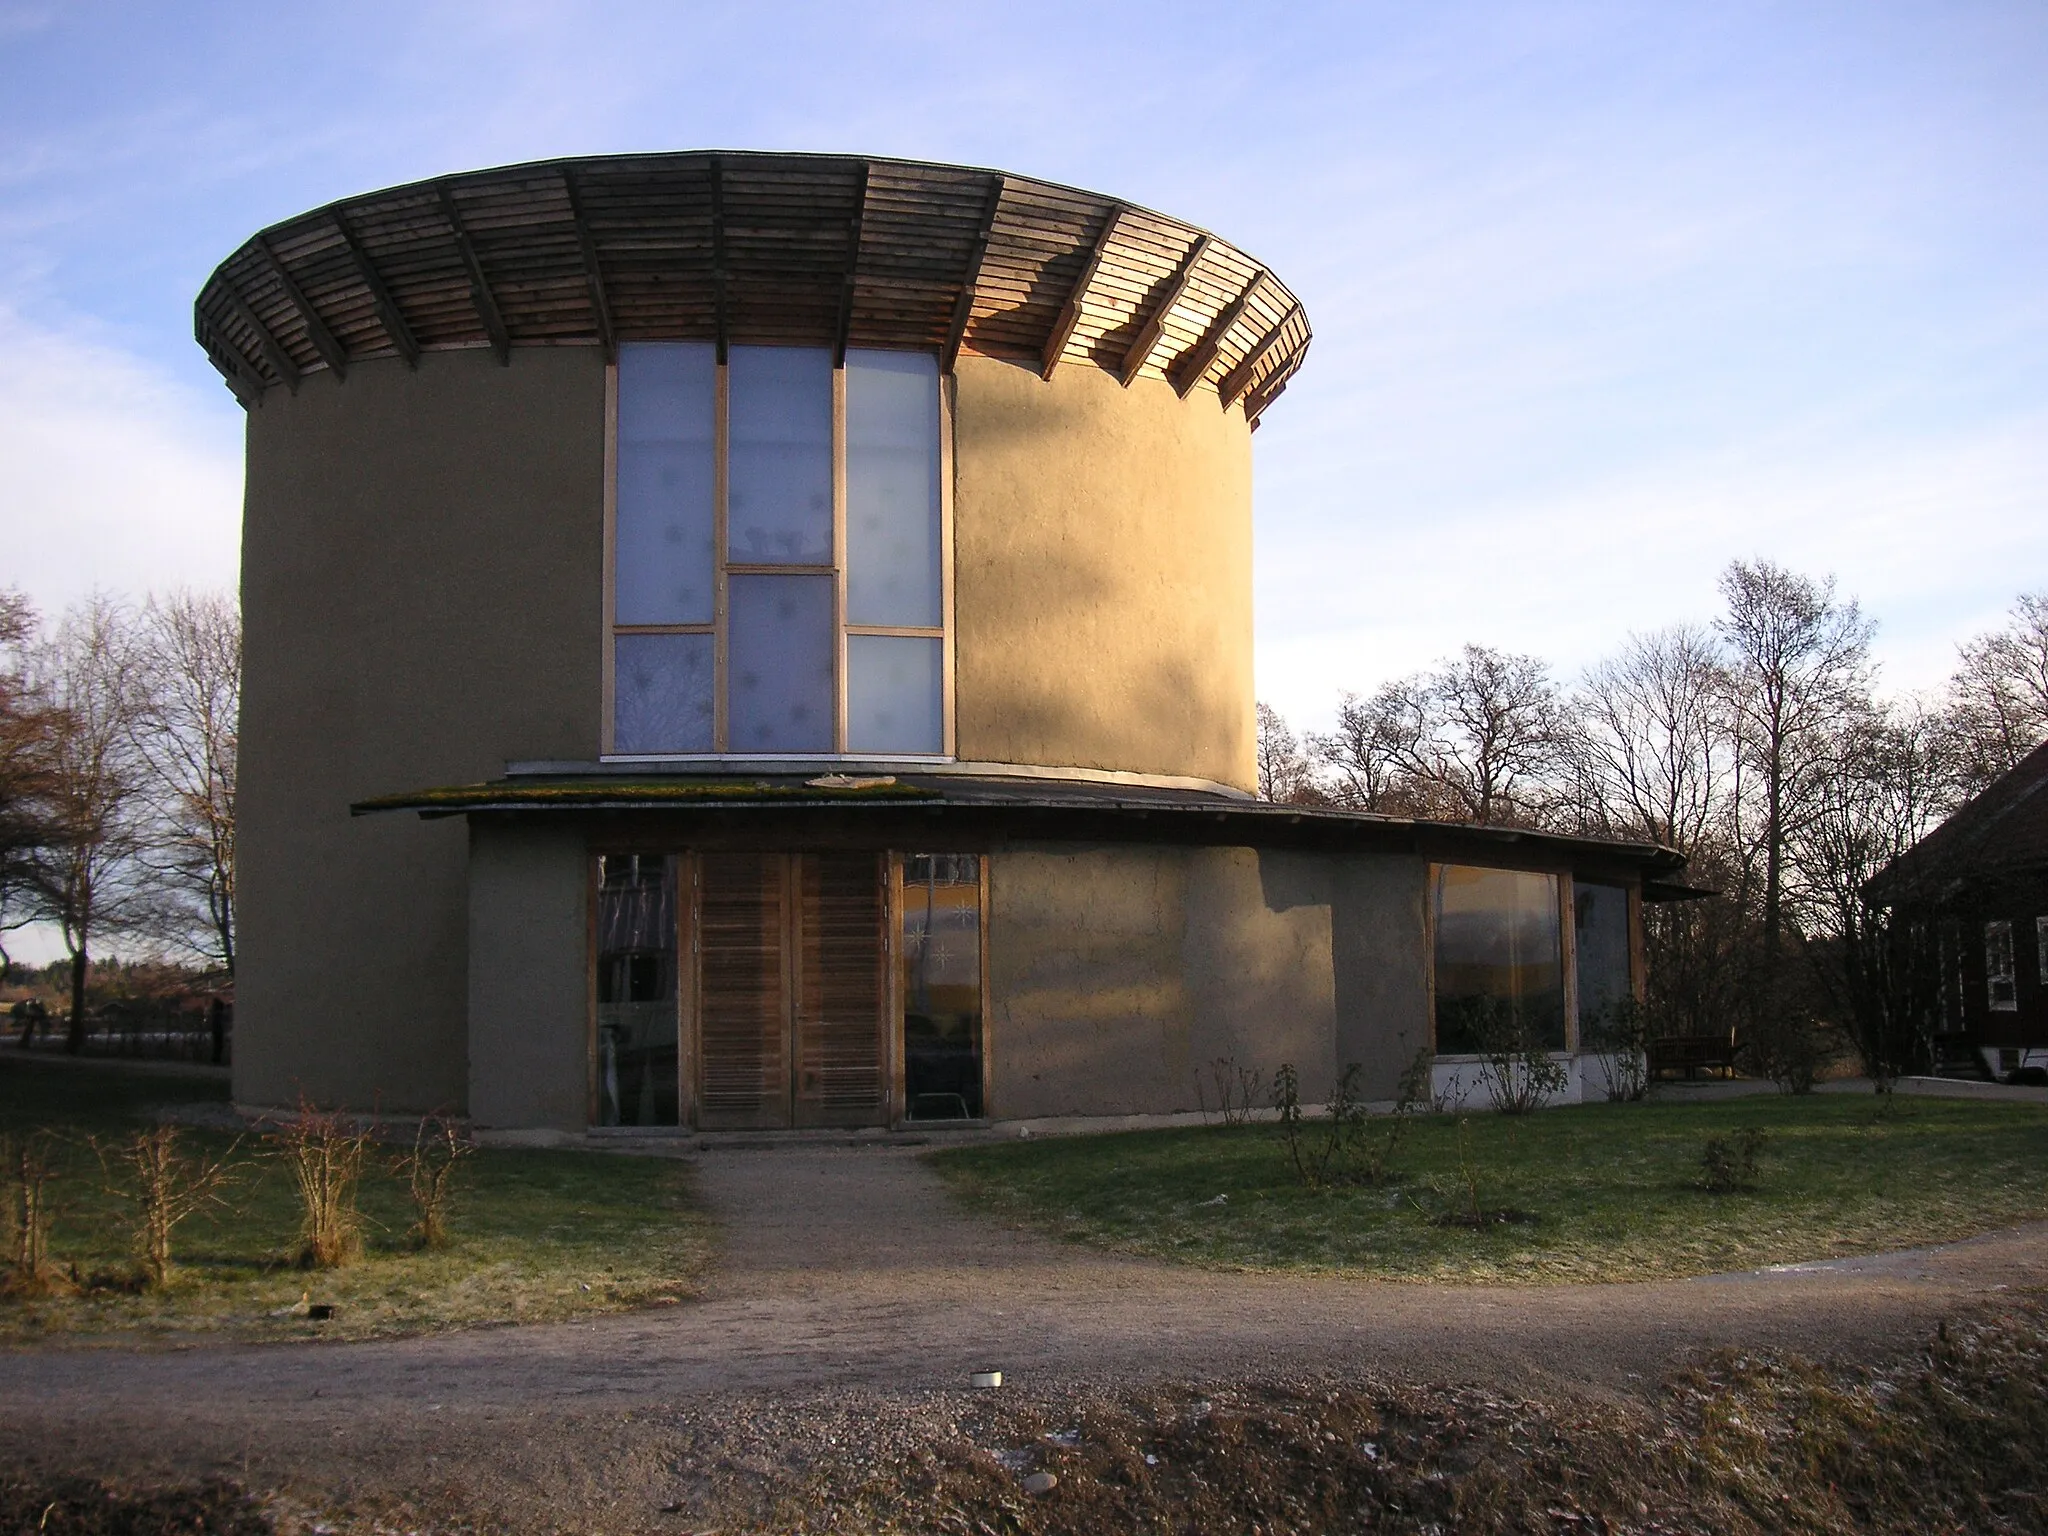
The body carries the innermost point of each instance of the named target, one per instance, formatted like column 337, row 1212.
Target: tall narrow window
column 1499, row 960
column 1999, row 989
column 942, row 986
column 638, row 1055
column 761, row 621
column 664, row 550
column 1601, row 947
column 894, row 592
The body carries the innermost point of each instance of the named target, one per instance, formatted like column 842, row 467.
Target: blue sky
column 1604, row 295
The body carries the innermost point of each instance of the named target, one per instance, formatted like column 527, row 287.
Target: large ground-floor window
column 1499, row 960
column 770, row 988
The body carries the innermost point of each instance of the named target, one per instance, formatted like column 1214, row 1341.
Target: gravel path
column 849, row 1278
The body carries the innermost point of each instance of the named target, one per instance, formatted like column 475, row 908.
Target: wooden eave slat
column 388, row 313
column 240, row 373
column 1187, row 369
column 829, row 251
column 1231, row 388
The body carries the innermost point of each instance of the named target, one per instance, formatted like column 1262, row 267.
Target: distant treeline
column 1754, row 743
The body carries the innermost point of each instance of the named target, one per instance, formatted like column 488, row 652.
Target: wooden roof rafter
column 388, row 313
column 718, row 283
column 242, row 375
column 274, row 354
column 479, row 285
column 970, row 277
column 1186, row 371
column 853, row 229
column 1233, row 385
column 1070, row 312
column 1140, row 350
column 331, row 351
column 593, row 271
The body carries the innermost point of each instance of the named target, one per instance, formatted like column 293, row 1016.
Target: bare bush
column 31, row 1163
column 429, row 1172
column 1237, row 1089
column 325, row 1150
column 165, row 1184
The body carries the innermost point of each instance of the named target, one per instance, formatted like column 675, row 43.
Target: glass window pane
column 664, row 550
column 1600, row 935
column 892, row 488
column 637, row 1035
column 779, row 487
column 661, row 700
column 779, row 650
column 1499, row 960
column 942, row 986
column 892, row 694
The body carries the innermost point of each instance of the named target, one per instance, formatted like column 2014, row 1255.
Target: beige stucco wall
column 1102, row 565
column 1118, row 974
column 529, row 998
column 422, row 594
column 421, row 564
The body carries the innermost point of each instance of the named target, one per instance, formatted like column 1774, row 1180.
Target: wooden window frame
column 719, row 627
column 895, row 1055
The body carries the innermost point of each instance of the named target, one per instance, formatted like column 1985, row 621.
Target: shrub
column 1728, row 1163
column 1519, row 1072
column 1618, row 1033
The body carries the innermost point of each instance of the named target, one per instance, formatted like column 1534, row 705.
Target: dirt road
column 853, row 1300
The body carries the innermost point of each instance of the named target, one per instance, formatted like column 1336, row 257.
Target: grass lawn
column 535, row 1235
column 1604, row 1191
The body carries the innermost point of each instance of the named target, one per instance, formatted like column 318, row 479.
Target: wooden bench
column 1692, row 1054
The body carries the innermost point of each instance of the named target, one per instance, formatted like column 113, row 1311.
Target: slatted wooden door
column 789, row 990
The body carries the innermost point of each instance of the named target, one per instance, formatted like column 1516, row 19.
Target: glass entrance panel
column 638, row 1054
column 941, row 957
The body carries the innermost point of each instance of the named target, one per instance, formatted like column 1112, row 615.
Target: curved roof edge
column 745, row 247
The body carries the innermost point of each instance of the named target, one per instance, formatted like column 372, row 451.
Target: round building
column 741, row 641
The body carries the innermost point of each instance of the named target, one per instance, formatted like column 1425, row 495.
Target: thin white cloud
column 111, row 476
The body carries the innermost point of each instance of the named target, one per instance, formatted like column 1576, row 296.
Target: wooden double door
column 785, row 989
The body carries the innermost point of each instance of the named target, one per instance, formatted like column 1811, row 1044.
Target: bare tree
column 1885, row 785
column 1798, row 664
column 1285, row 772
column 1998, row 696
column 1490, row 733
column 184, row 735
column 1368, row 752
column 89, row 678
column 1651, row 737
column 25, row 723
